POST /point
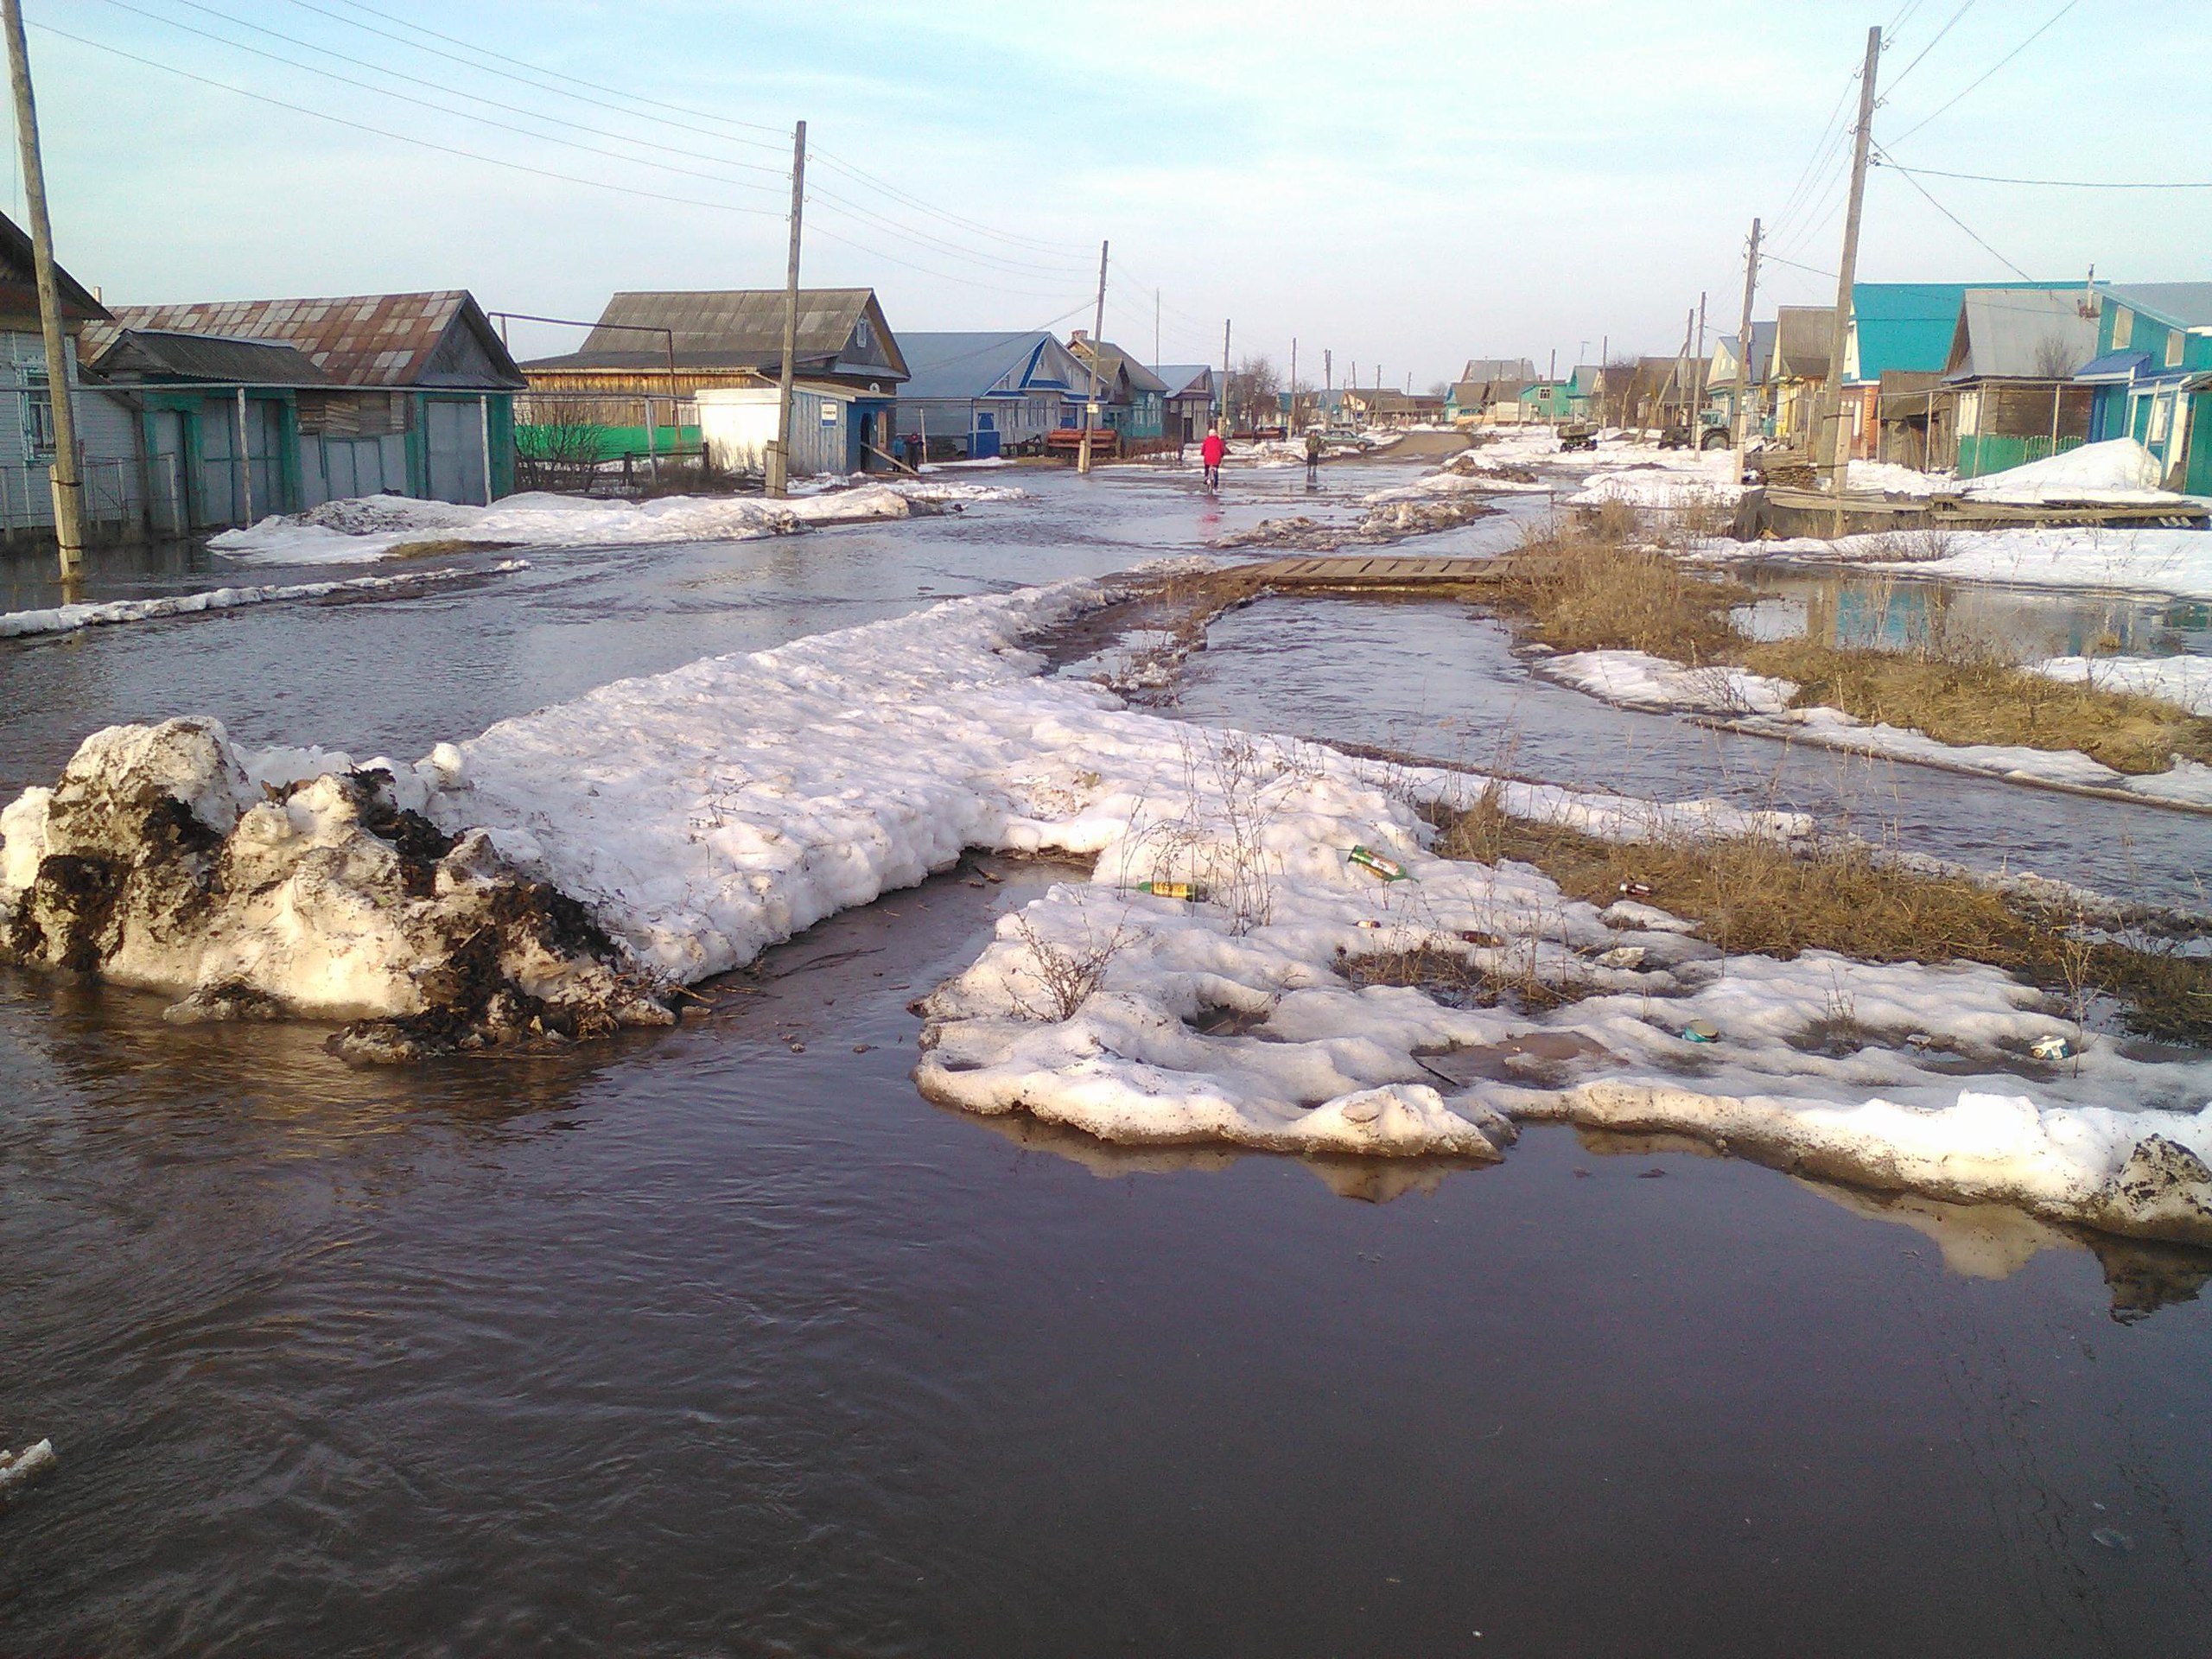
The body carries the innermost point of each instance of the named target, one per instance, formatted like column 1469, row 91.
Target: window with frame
column 2174, row 343
column 2123, row 327
column 2162, row 415
column 38, row 415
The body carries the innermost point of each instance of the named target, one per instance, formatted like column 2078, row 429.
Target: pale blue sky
column 1407, row 185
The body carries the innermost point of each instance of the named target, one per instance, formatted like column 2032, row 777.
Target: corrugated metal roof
column 359, row 340
column 1802, row 334
column 1181, row 379
column 1498, row 368
column 155, row 354
column 1908, row 325
column 727, row 328
column 2021, row 333
column 1112, row 360
column 2114, row 365
column 2183, row 305
column 969, row 364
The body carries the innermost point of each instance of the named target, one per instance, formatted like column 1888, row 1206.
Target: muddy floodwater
column 721, row 1340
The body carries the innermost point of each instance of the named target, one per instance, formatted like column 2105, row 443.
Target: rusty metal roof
column 362, row 340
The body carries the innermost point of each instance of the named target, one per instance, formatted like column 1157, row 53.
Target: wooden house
column 250, row 407
column 1797, row 373
column 1132, row 399
column 108, row 461
column 2009, row 377
column 1899, row 342
column 1721, row 375
column 1485, row 402
column 974, row 396
column 1192, row 402
column 652, row 352
column 2151, row 379
column 1550, row 402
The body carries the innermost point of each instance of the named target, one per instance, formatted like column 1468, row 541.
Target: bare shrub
column 1067, row 975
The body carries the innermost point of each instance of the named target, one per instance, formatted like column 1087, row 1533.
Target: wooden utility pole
column 1224, row 375
column 1291, row 419
column 1739, row 417
column 1846, row 272
column 1090, row 404
column 1155, row 333
column 779, row 458
column 68, row 488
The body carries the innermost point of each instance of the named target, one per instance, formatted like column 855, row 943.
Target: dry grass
column 1596, row 583
column 1764, row 898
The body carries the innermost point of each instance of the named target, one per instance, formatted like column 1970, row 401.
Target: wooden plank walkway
column 1375, row 571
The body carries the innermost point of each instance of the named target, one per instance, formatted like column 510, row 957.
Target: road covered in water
column 722, row 1338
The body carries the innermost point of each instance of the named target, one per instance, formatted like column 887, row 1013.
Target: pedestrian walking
column 1313, row 459
column 1210, row 453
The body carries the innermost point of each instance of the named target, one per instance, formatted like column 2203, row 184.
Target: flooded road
column 721, row 1341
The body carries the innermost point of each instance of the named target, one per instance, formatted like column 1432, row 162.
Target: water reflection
column 1880, row 611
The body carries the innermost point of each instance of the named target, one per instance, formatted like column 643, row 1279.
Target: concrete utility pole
column 1740, row 416
column 1090, row 404
column 779, row 458
column 68, row 488
column 1846, row 272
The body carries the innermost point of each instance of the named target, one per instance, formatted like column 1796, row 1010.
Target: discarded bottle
column 1635, row 889
column 1700, row 1031
column 2053, row 1047
column 1388, row 868
column 1193, row 891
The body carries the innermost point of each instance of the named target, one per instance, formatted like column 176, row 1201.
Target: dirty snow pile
column 2185, row 681
column 65, row 618
column 382, row 526
column 687, row 820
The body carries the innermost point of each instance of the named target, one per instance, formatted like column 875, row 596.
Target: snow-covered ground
column 2184, row 680
column 1754, row 703
column 64, row 619
column 379, row 526
column 2118, row 472
column 703, row 814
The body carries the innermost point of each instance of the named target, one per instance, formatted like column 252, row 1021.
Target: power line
column 425, row 104
column 938, row 243
column 1898, row 80
column 1953, row 218
column 501, row 57
column 927, row 270
column 2054, row 184
column 1766, row 258
column 886, row 188
column 404, row 137
column 1992, row 70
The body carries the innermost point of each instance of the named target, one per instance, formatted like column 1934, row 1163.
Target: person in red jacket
column 1210, row 452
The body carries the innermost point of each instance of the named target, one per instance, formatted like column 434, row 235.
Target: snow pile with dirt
column 2118, row 472
column 562, row 865
column 385, row 526
column 1634, row 679
column 67, row 619
column 2085, row 557
column 2185, row 681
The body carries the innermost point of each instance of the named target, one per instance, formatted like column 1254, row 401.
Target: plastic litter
column 1193, row 891
column 1919, row 1039
column 1622, row 956
column 2053, row 1047
column 1388, row 868
column 32, row 1461
column 2112, row 1538
column 1635, row 889
column 1700, row 1031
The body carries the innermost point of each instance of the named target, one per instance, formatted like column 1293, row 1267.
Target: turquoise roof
column 1908, row 325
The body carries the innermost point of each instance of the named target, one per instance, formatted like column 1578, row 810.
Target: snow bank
column 1667, row 478
column 668, row 827
column 2120, row 471
column 2156, row 562
column 1634, row 679
column 1755, row 702
column 381, row 526
column 2186, row 681
column 64, row 619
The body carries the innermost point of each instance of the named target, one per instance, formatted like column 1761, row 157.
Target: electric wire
column 1898, row 80
column 1992, row 69
column 403, row 137
column 1892, row 162
column 442, row 109
column 1961, row 223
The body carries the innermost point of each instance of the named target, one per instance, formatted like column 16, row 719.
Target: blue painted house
column 2151, row 379
column 979, row 395
column 1132, row 399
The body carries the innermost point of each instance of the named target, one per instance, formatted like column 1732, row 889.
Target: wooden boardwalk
column 1376, row 571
